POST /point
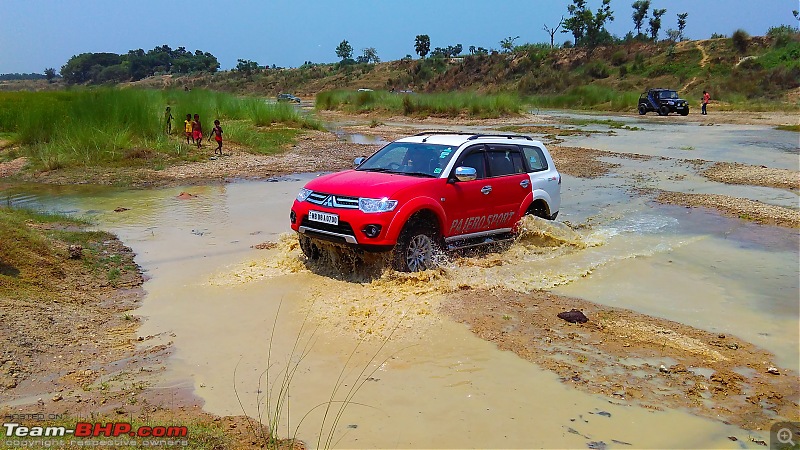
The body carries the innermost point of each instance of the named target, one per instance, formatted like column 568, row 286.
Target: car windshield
column 410, row 158
column 668, row 94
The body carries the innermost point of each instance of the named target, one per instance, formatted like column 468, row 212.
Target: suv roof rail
column 508, row 136
column 473, row 136
column 442, row 132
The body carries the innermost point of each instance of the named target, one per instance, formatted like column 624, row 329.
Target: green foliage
column 655, row 23
column 640, row 8
column 246, row 67
column 783, row 35
column 50, row 73
column 344, row 50
column 421, row 105
column 135, row 65
column 589, row 29
column 597, row 70
column 112, row 127
column 740, row 40
column 589, row 97
column 422, row 45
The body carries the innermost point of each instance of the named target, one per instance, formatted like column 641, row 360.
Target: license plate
column 317, row 216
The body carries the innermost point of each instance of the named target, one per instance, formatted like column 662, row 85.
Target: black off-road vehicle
column 663, row 101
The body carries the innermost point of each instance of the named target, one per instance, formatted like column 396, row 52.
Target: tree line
column 136, row 65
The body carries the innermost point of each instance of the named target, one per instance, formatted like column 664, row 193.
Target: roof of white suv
column 458, row 138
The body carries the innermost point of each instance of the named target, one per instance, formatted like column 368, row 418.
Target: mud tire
column 642, row 110
column 309, row 249
column 685, row 113
column 416, row 248
column 538, row 211
column 663, row 110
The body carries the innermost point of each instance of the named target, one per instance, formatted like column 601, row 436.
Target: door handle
column 486, row 189
column 525, row 183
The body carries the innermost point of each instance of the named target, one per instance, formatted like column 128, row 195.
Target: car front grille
column 333, row 201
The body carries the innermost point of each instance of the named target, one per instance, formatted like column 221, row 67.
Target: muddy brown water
column 409, row 377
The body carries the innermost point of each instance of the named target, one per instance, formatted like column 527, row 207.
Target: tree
column 682, row 24
column 50, row 73
column 640, row 8
column 369, row 55
column 655, row 23
column 673, row 35
column 422, row 45
column 507, row 44
column 576, row 23
column 246, row 67
column 589, row 29
column 552, row 31
column 344, row 50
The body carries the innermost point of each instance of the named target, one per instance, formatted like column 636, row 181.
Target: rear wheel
column 642, row 110
column 663, row 110
column 416, row 248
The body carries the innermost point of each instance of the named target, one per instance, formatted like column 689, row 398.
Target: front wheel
column 416, row 249
column 685, row 113
column 309, row 249
column 642, row 110
column 663, row 111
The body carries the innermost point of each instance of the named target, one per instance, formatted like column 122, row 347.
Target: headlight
column 376, row 205
column 303, row 195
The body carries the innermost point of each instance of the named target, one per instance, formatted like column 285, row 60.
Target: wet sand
column 633, row 358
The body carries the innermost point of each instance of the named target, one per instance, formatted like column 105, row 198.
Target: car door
column 465, row 202
column 508, row 182
column 543, row 175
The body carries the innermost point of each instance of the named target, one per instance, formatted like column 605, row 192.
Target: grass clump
column 454, row 104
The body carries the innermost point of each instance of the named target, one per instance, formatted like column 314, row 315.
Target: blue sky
column 37, row 34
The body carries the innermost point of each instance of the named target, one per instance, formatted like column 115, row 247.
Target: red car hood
column 355, row 183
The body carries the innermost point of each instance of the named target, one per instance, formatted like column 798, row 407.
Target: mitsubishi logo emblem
column 328, row 202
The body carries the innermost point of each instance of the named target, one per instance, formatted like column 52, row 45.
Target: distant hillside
column 733, row 70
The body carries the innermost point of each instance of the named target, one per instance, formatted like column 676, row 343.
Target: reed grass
column 453, row 104
column 103, row 127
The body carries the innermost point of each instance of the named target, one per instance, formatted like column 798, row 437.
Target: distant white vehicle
column 365, row 90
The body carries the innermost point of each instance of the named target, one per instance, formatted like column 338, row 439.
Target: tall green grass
column 588, row 97
column 112, row 126
column 452, row 104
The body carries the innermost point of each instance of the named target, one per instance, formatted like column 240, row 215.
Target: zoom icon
column 784, row 436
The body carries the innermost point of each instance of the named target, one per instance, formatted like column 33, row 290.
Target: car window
column 410, row 158
column 535, row 157
column 500, row 163
column 475, row 159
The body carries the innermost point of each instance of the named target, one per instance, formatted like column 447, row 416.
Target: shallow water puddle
column 424, row 381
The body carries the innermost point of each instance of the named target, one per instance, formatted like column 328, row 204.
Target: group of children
column 194, row 130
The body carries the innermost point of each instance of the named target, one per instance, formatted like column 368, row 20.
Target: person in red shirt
column 217, row 132
column 197, row 130
column 706, row 99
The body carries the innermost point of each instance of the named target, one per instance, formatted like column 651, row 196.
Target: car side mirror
column 357, row 162
column 466, row 173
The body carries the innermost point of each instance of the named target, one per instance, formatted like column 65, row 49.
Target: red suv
column 430, row 191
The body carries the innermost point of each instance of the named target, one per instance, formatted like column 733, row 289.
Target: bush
column 783, row 35
column 598, row 70
column 619, row 58
column 740, row 40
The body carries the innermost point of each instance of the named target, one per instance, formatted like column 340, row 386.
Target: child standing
column 197, row 130
column 187, row 128
column 217, row 131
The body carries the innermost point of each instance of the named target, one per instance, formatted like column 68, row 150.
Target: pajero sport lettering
column 431, row 191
